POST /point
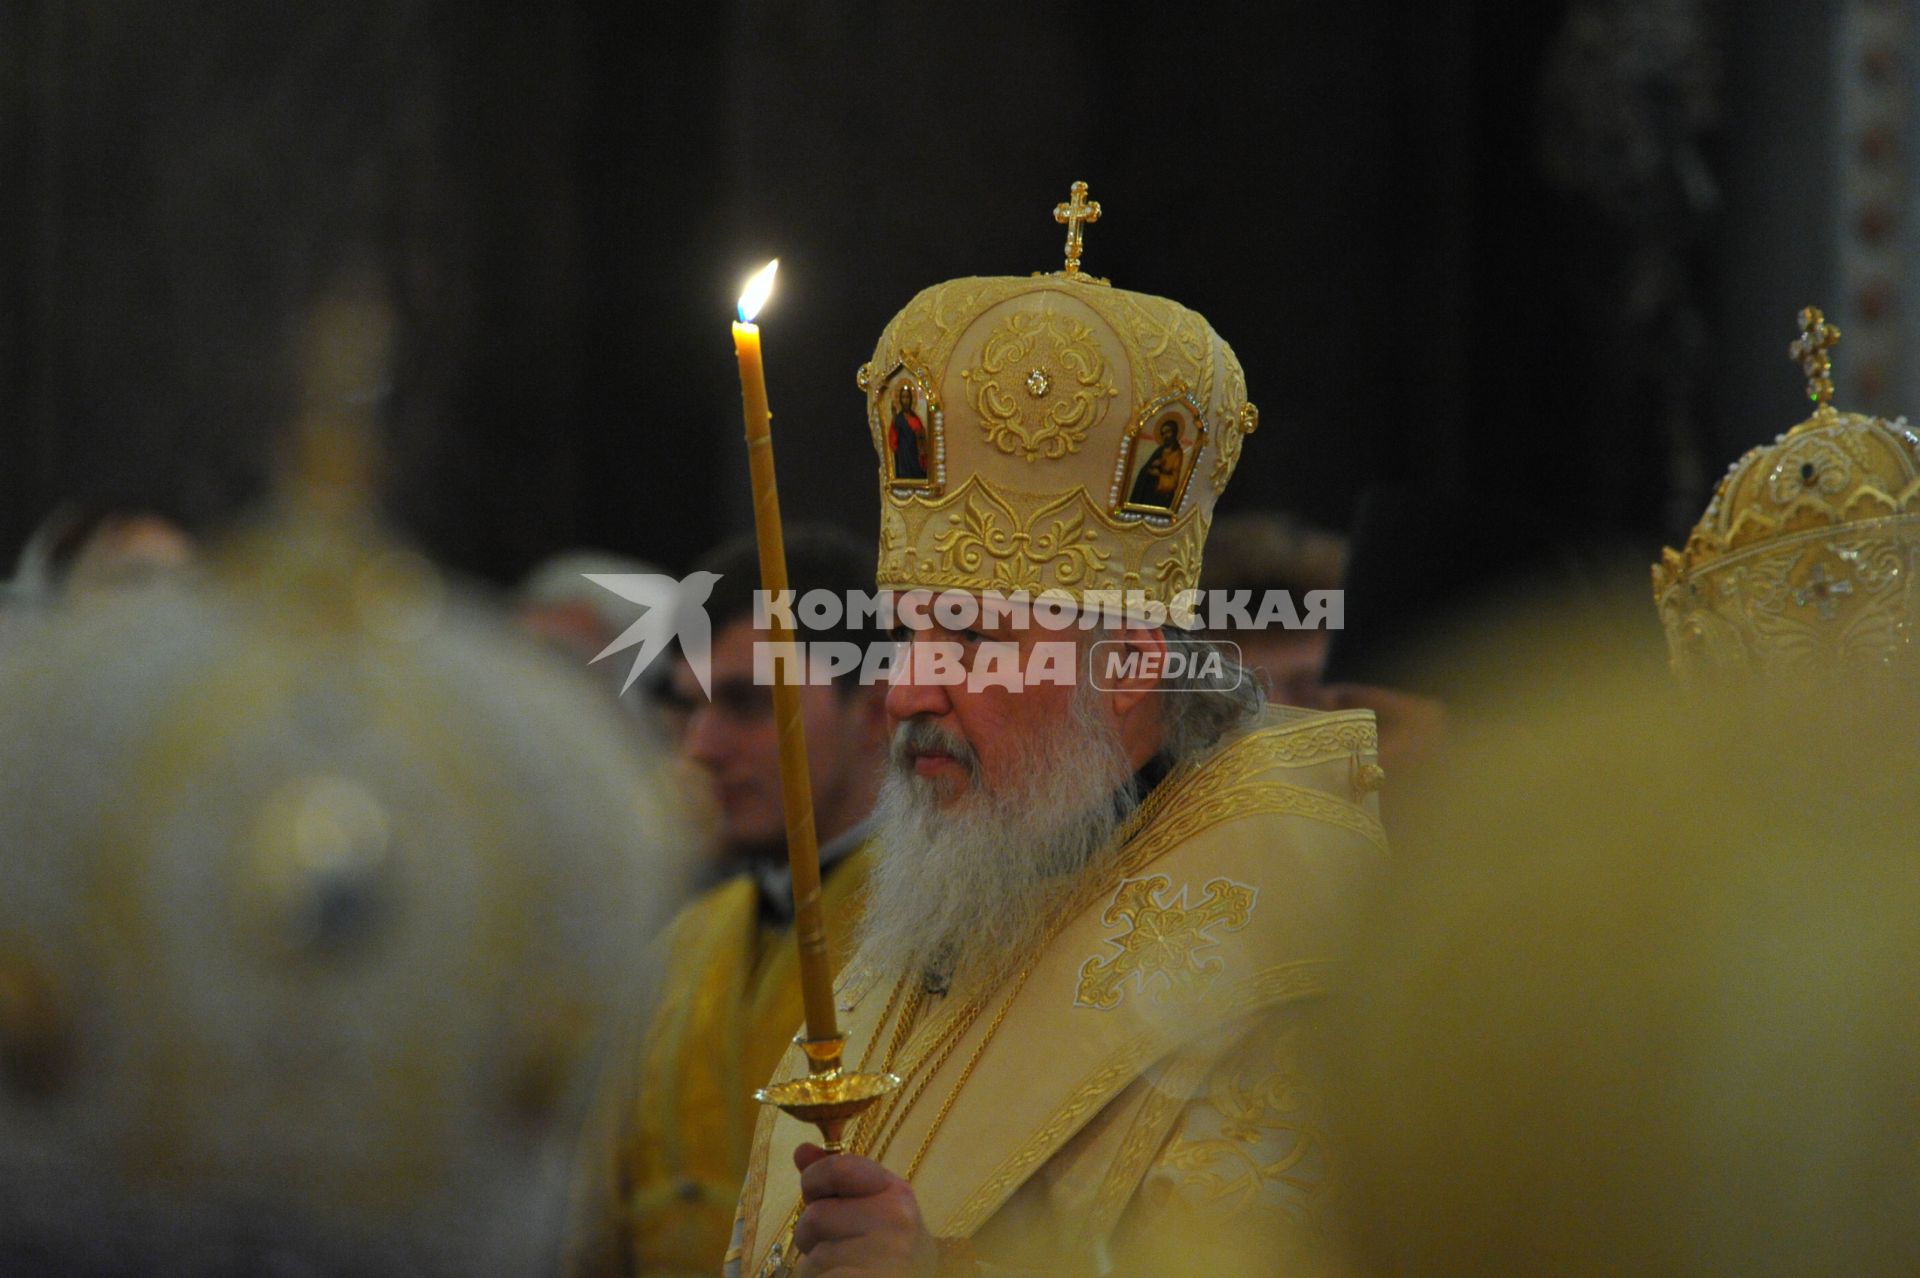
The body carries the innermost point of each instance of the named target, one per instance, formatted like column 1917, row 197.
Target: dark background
column 1533, row 266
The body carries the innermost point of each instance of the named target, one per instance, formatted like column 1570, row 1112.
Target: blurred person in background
column 1429, row 576
column 94, row 547
column 579, row 620
column 1640, row 998
column 557, row 604
column 732, row 994
column 1260, row 551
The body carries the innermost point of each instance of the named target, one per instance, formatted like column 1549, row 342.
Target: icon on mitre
column 1161, row 453
column 909, row 425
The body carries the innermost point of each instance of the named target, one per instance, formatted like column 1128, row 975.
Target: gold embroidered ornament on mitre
column 1051, row 435
column 1805, row 556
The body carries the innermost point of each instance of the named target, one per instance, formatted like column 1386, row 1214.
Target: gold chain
column 886, row 1013
column 966, row 1072
column 933, row 1062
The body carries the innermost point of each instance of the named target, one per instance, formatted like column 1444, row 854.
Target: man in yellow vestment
column 1110, row 878
column 732, row 993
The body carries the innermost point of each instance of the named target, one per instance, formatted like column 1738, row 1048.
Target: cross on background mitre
column 1076, row 213
column 1811, row 351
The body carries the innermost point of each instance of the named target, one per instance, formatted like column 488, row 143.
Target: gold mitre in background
column 1805, row 555
column 324, row 902
column 1051, row 434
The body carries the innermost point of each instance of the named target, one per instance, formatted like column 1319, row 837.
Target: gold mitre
column 1806, row 554
column 1051, row 434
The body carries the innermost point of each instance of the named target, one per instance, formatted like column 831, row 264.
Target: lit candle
column 803, row 852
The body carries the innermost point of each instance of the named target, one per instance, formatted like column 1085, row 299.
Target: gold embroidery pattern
column 1218, row 790
column 1288, row 982
column 1265, row 748
column 1841, row 596
column 753, row 1192
column 1231, row 765
column 1079, row 392
column 1324, row 743
column 897, row 552
column 1094, row 1092
column 979, row 539
column 1275, row 984
column 1253, row 1140
column 1165, row 335
column 1818, row 468
column 1163, row 948
column 1054, row 546
column 1179, row 569
column 954, row 307
column 1217, row 808
column 1247, row 422
column 1155, row 1116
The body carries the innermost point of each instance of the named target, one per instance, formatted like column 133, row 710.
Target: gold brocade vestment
column 1141, row 1088
column 727, row 1012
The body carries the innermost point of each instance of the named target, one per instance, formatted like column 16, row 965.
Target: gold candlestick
column 828, row 1097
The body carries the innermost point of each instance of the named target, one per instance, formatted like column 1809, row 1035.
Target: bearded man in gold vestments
column 1110, row 878
column 732, row 993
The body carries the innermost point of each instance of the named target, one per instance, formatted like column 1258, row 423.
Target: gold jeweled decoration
column 1813, row 351
column 1076, row 214
column 1057, row 424
column 1805, row 559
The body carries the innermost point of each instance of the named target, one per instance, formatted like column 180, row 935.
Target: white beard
column 964, row 894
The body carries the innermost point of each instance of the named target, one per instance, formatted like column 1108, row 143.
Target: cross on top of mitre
column 1076, row 213
column 1812, row 351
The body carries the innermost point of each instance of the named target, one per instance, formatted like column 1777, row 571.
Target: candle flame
column 754, row 296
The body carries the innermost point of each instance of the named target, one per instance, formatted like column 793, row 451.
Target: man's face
column 1291, row 660
column 965, row 740
column 996, row 801
column 734, row 740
